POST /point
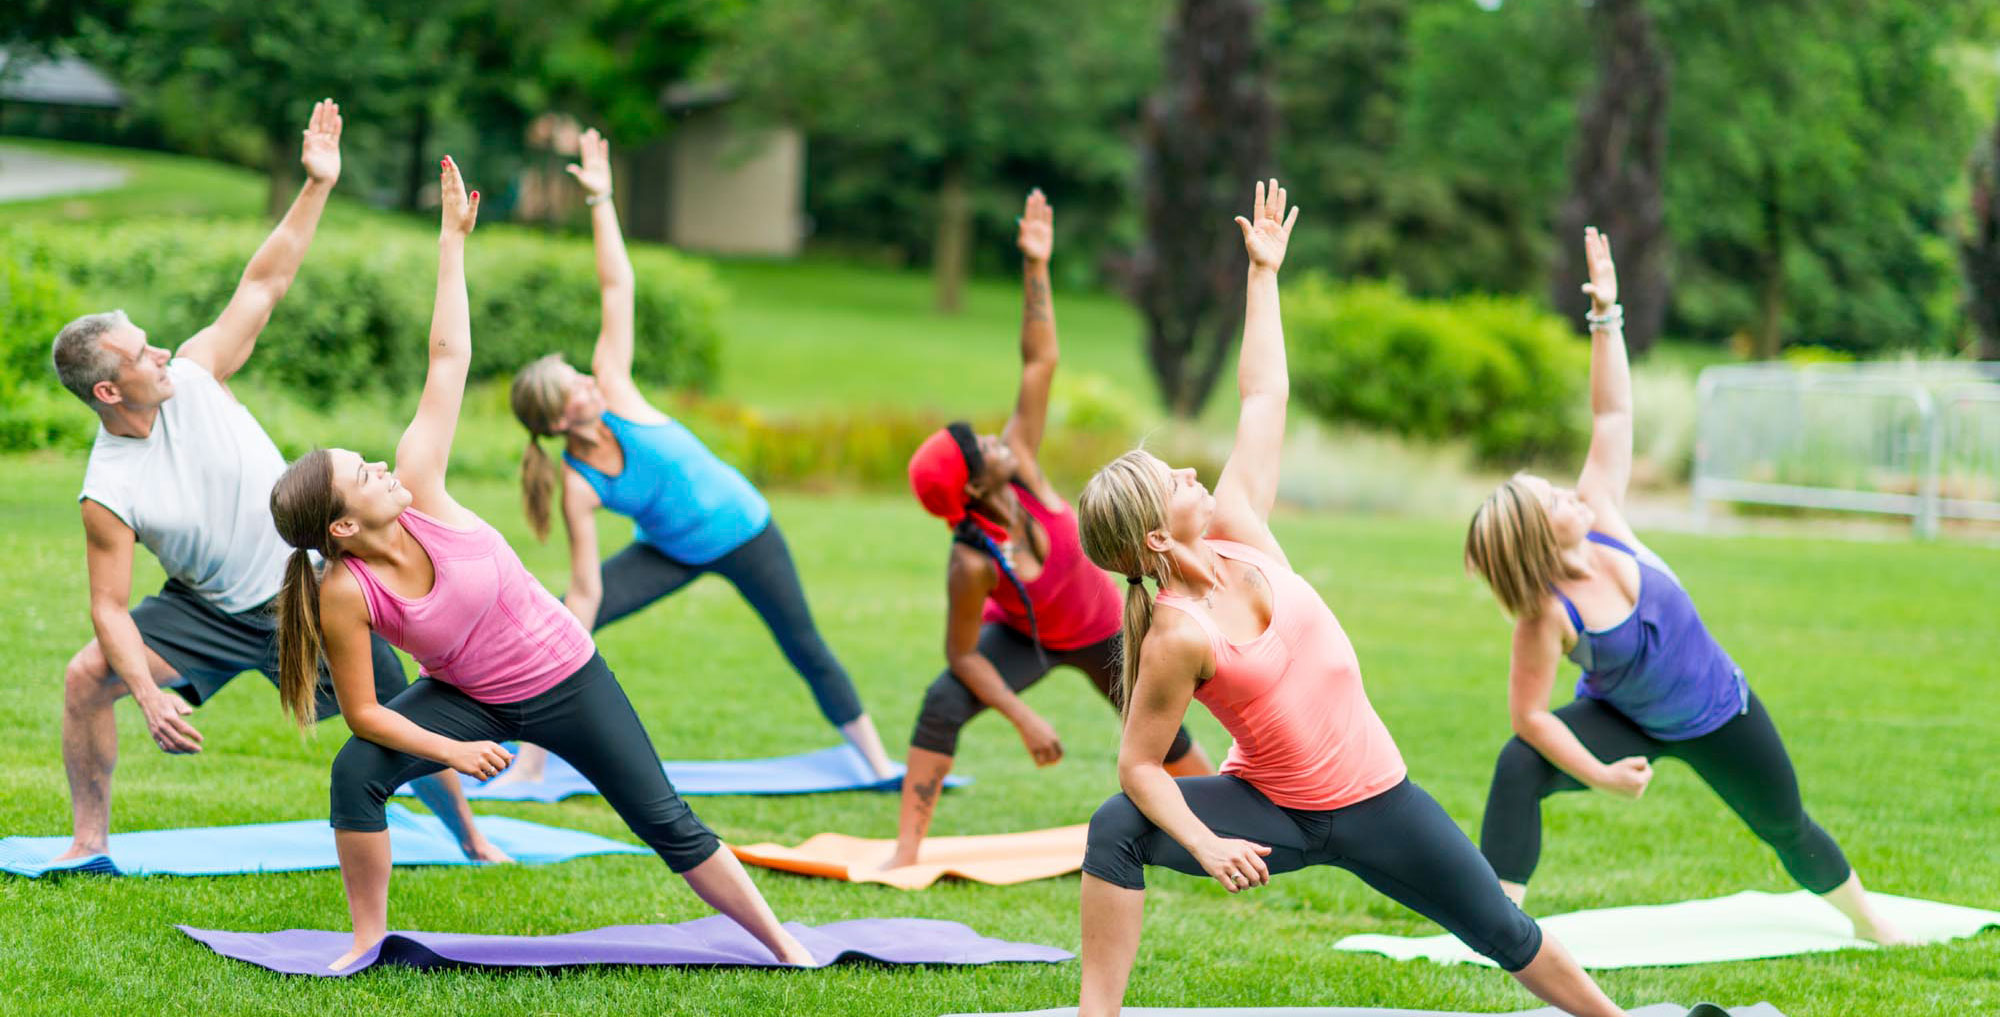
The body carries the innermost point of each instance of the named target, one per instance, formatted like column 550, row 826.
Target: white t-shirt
column 197, row 491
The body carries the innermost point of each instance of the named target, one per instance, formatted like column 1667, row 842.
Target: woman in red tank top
column 1313, row 777
column 1023, row 598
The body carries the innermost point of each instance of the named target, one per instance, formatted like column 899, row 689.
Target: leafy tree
column 1617, row 167
column 1206, row 136
column 951, row 96
column 1980, row 250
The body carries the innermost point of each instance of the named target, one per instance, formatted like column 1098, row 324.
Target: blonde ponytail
column 1123, row 503
column 538, row 481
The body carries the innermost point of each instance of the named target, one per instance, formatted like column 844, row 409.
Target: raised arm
column 224, row 346
column 425, row 450
column 1249, row 482
column 1608, row 469
column 611, row 361
column 1039, row 352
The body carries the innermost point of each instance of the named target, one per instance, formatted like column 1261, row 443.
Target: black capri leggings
column 1400, row 842
column 763, row 573
column 1742, row 760
column 586, row 720
column 949, row 705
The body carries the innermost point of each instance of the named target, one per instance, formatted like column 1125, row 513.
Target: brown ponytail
column 303, row 506
column 537, row 398
column 1123, row 503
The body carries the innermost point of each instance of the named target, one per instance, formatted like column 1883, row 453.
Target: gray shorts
column 209, row 647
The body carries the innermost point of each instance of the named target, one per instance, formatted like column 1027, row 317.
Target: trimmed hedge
column 356, row 315
column 1497, row 371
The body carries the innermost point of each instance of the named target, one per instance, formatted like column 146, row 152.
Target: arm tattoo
column 1038, row 309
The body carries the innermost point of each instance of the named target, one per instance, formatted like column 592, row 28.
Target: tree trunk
column 417, row 170
column 1768, row 339
column 1980, row 251
column 1617, row 173
column 954, row 240
column 283, row 151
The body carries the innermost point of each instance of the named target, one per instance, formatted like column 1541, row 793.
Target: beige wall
column 736, row 193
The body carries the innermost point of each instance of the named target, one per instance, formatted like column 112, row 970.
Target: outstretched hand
column 595, row 172
column 1603, row 284
column 1038, row 228
column 460, row 210
column 320, row 152
column 1269, row 228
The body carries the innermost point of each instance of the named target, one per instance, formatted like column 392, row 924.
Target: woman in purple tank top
column 1578, row 583
column 502, row 659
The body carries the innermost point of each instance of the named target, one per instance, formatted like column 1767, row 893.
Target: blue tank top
column 1659, row 666
column 692, row 506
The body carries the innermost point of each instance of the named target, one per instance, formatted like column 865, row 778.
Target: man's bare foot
column 483, row 850
column 79, row 851
column 347, row 959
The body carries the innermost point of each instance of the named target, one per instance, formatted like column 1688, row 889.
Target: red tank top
column 1305, row 732
column 1076, row 603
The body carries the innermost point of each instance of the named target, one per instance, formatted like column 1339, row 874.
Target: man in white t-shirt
column 183, row 468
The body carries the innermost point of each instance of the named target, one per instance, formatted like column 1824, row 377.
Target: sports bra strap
column 1611, row 542
column 1574, row 618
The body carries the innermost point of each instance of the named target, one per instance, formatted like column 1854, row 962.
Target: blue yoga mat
column 840, row 768
column 414, row 839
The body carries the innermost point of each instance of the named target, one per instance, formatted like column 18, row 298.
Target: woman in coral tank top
column 501, row 657
column 1313, row 777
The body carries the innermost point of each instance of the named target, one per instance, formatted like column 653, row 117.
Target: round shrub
column 1496, row 371
column 35, row 411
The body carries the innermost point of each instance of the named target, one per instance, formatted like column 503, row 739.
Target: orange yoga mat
column 999, row 858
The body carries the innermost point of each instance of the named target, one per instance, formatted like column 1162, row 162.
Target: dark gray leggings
column 762, row 571
column 1742, row 760
column 949, row 705
column 1400, row 842
column 585, row 719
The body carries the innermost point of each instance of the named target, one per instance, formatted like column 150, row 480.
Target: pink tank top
column 1305, row 733
column 487, row 626
column 1076, row 603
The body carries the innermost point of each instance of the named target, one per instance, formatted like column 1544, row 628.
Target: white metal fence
column 1920, row 438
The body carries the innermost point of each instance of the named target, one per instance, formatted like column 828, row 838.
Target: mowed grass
column 1877, row 660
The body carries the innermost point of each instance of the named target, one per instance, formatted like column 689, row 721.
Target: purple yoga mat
column 705, row 941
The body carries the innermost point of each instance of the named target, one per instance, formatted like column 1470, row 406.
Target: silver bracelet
column 597, row 199
column 1615, row 316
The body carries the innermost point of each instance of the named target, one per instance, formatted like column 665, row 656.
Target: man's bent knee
column 88, row 680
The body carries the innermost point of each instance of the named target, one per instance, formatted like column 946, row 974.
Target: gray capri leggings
column 585, row 719
column 1400, row 842
column 949, row 705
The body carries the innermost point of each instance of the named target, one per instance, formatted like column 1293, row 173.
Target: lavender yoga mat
column 703, row 942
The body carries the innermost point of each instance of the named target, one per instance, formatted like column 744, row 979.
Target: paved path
column 25, row 174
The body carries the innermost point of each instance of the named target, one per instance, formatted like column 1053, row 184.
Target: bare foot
column 897, row 859
column 483, row 850
column 1881, row 933
column 353, row 955
column 78, row 851
column 516, row 774
column 794, row 952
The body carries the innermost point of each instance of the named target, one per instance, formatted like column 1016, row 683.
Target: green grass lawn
column 1877, row 661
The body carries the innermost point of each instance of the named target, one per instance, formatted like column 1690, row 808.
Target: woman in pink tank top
column 1313, row 777
column 1023, row 599
column 501, row 658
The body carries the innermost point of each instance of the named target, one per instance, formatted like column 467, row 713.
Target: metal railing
column 1919, row 438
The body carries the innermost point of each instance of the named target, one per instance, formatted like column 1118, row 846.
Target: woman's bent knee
column 1112, row 848
column 360, row 786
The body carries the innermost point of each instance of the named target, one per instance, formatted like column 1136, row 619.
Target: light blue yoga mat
column 840, row 768
column 414, row 839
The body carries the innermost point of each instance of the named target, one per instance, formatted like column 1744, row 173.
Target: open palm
column 1038, row 228
column 1269, row 229
column 1603, row 284
column 320, row 152
column 595, row 172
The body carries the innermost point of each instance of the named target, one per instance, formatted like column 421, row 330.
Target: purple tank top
column 1659, row 666
column 487, row 626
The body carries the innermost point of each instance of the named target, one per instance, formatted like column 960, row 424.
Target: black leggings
column 1400, row 842
column 763, row 573
column 1742, row 760
column 949, row 704
column 586, row 720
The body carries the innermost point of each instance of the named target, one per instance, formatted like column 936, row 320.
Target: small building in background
column 729, row 189
column 57, row 97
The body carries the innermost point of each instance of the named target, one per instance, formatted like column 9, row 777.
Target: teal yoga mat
column 414, row 839
column 840, row 768
column 1744, row 926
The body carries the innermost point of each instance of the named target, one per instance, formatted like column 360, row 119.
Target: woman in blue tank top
column 1578, row 583
column 693, row 512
